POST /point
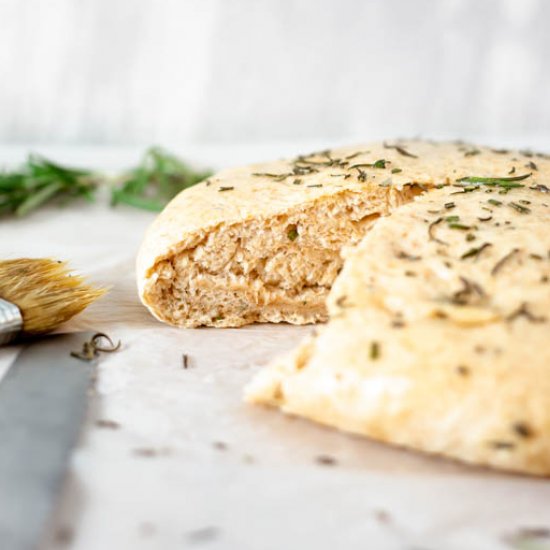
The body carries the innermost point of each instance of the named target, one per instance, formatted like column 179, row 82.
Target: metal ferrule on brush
column 11, row 321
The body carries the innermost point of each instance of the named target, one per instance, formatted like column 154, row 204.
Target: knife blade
column 42, row 406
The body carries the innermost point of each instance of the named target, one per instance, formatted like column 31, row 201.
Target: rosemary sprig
column 40, row 181
column 159, row 178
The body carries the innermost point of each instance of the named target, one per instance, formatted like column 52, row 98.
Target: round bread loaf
column 264, row 243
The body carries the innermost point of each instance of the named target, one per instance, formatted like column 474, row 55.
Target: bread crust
column 174, row 275
column 437, row 339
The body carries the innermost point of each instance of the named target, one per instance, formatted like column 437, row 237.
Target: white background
column 175, row 72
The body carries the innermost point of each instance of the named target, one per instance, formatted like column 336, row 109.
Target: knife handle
column 11, row 321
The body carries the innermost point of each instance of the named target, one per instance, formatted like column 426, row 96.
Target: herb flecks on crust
column 430, row 314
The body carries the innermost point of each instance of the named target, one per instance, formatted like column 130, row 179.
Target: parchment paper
column 172, row 458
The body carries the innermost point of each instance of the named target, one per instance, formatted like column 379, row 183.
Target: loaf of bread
column 263, row 243
column 437, row 339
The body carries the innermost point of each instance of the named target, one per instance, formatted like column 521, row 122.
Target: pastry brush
column 43, row 395
column 38, row 295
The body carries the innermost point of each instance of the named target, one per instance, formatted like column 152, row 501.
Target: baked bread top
column 251, row 237
column 438, row 330
column 270, row 188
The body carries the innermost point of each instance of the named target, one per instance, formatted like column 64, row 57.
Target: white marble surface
column 160, row 481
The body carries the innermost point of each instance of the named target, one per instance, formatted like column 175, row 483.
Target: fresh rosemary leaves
column 158, row 178
column 504, row 183
column 39, row 181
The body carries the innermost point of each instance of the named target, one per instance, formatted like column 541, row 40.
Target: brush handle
column 11, row 321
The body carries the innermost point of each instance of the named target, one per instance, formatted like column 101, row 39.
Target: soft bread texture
column 438, row 332
column 263, row 243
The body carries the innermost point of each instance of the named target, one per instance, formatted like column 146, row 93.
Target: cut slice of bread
column 438, row 331
column 263, row 243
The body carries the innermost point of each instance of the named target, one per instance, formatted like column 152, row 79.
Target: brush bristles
column 45, row 292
